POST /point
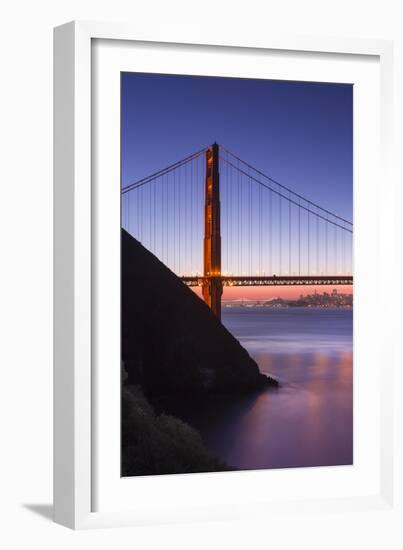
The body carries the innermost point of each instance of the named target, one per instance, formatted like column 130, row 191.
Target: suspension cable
column 294, row 202
column 286, row 188
column 158, row 174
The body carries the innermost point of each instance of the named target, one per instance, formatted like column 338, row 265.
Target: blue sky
column 299, row 133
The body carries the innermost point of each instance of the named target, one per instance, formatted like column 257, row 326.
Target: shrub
column 160, row 444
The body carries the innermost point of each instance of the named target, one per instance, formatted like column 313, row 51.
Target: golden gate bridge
column 217, row 221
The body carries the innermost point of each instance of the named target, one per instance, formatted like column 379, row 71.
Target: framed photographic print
column 219, row 236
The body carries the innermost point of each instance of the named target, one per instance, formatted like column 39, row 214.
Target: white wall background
column 26, row 263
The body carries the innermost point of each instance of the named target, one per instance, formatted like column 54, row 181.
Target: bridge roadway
column 272, row 280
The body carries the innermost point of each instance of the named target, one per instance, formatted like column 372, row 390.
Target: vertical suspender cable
column 174, row 220
column 200, row 203
column 191, row 217
column 227, row 191
column 149, row 216
column 137, row 191
column 155, row 216
column 179, row 218
column 335, row 251
column 317, row 245
column 281, row 235
column 188, row 229
column 161, row 217
column 309, row 242
column 231, row 218
column 271, row 233
column 289, row 237
column 326, row 252
column 168, row 220
column 239, row 222
column 299, row 240
column 250, row 225
column 343, row 252
column 124, row 213
column 168, row 217
column 260, row 230
column 141, row 214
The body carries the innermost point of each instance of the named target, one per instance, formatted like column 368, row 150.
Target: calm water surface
column 308, row 421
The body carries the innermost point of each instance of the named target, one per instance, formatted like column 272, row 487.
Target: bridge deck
column 274, row 280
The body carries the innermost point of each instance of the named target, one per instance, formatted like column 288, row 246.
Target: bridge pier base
column 212, row 291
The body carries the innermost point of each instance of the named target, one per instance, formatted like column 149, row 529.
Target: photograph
column 236, row 272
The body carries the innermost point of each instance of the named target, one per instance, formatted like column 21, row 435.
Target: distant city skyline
column 269, row 292
column 335, row 295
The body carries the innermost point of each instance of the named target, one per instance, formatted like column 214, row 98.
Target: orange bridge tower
column 212, row 285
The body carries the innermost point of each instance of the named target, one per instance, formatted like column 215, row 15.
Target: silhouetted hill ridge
column 172, row 344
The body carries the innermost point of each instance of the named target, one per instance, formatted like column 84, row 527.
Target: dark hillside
column 171, row 342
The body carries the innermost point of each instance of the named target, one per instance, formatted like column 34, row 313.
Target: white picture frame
column 78, row 424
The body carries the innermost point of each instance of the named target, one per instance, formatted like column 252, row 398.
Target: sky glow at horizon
column 270, row 292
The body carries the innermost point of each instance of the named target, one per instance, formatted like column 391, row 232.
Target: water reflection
column 308, row 421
